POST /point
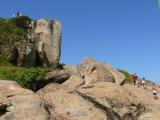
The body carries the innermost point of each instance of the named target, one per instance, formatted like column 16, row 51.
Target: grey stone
column 47, row 34
column 17, row 103
column 93, row 71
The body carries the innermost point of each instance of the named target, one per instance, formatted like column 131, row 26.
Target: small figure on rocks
column 143, row 81
column 134, row 78
column 154, row 91
column 18, row 14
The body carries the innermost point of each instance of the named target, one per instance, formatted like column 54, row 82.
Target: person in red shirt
column 134, row 78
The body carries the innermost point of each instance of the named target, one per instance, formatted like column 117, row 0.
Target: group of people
column 134, row 78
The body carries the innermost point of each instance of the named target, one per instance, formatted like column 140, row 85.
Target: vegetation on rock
column 26, row 77
column 13, row 31
column 127, row 77
column 4, row 61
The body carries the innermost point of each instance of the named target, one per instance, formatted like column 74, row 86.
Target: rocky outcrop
column 115, row 98
column 43, row 47
column 102, row 101
column 17, row 103
column 69, row 105
column 119, row 77
column 58, row 76
column 74, row 81
column 47, row 34
column 92, row 72
column 89, row 91
column 145, row 96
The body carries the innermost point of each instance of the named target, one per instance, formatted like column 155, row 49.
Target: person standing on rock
column 154, row 91
column 134, row 78
column 143, row 82
column 17, row 14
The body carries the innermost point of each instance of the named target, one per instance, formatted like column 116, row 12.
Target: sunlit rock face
column 43, row 48
column 47, row 34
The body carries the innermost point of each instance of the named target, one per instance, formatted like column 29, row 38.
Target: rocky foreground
column 88, row 91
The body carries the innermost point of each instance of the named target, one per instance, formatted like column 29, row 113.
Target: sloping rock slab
column 114, row 98
column 17, row 103
column 69, row 105
column 57, row 76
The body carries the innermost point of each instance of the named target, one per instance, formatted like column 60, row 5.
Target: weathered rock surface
column 114, row 98
column 48, row 38
column 93, row 71
column 17, row 103
column 27, row 55
column 119, row 77
column 102, row 101
column 145, row 96
column 89, row 91
column 44, row 48
column 74, row 81
column 150, row 116
column 69, row 105
column 58, row 76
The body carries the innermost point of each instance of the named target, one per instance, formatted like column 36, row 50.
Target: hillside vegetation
column 26, row 77
column 3, row 61
column 14, row 31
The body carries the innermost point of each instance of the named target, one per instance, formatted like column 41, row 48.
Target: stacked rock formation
column 47, row 35
column 44, row 48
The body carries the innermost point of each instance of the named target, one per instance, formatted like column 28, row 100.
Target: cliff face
column 47, row 35
column 43, row 47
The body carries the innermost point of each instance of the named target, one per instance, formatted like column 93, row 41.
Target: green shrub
column 22, row 22
column 127, row 80
column 4, row 61
column 26, row 77
column 14, row 31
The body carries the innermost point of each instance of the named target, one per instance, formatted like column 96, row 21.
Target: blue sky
column 124, row 33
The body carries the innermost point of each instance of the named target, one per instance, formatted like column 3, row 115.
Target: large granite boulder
column 92, row 71
column 102, row 101
column 17, row 103
column 47, row 34
column 74, row 81
column 57, row 76
column 145, row 96
column 69, row 105
column 119, row 77
column 113, row 98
